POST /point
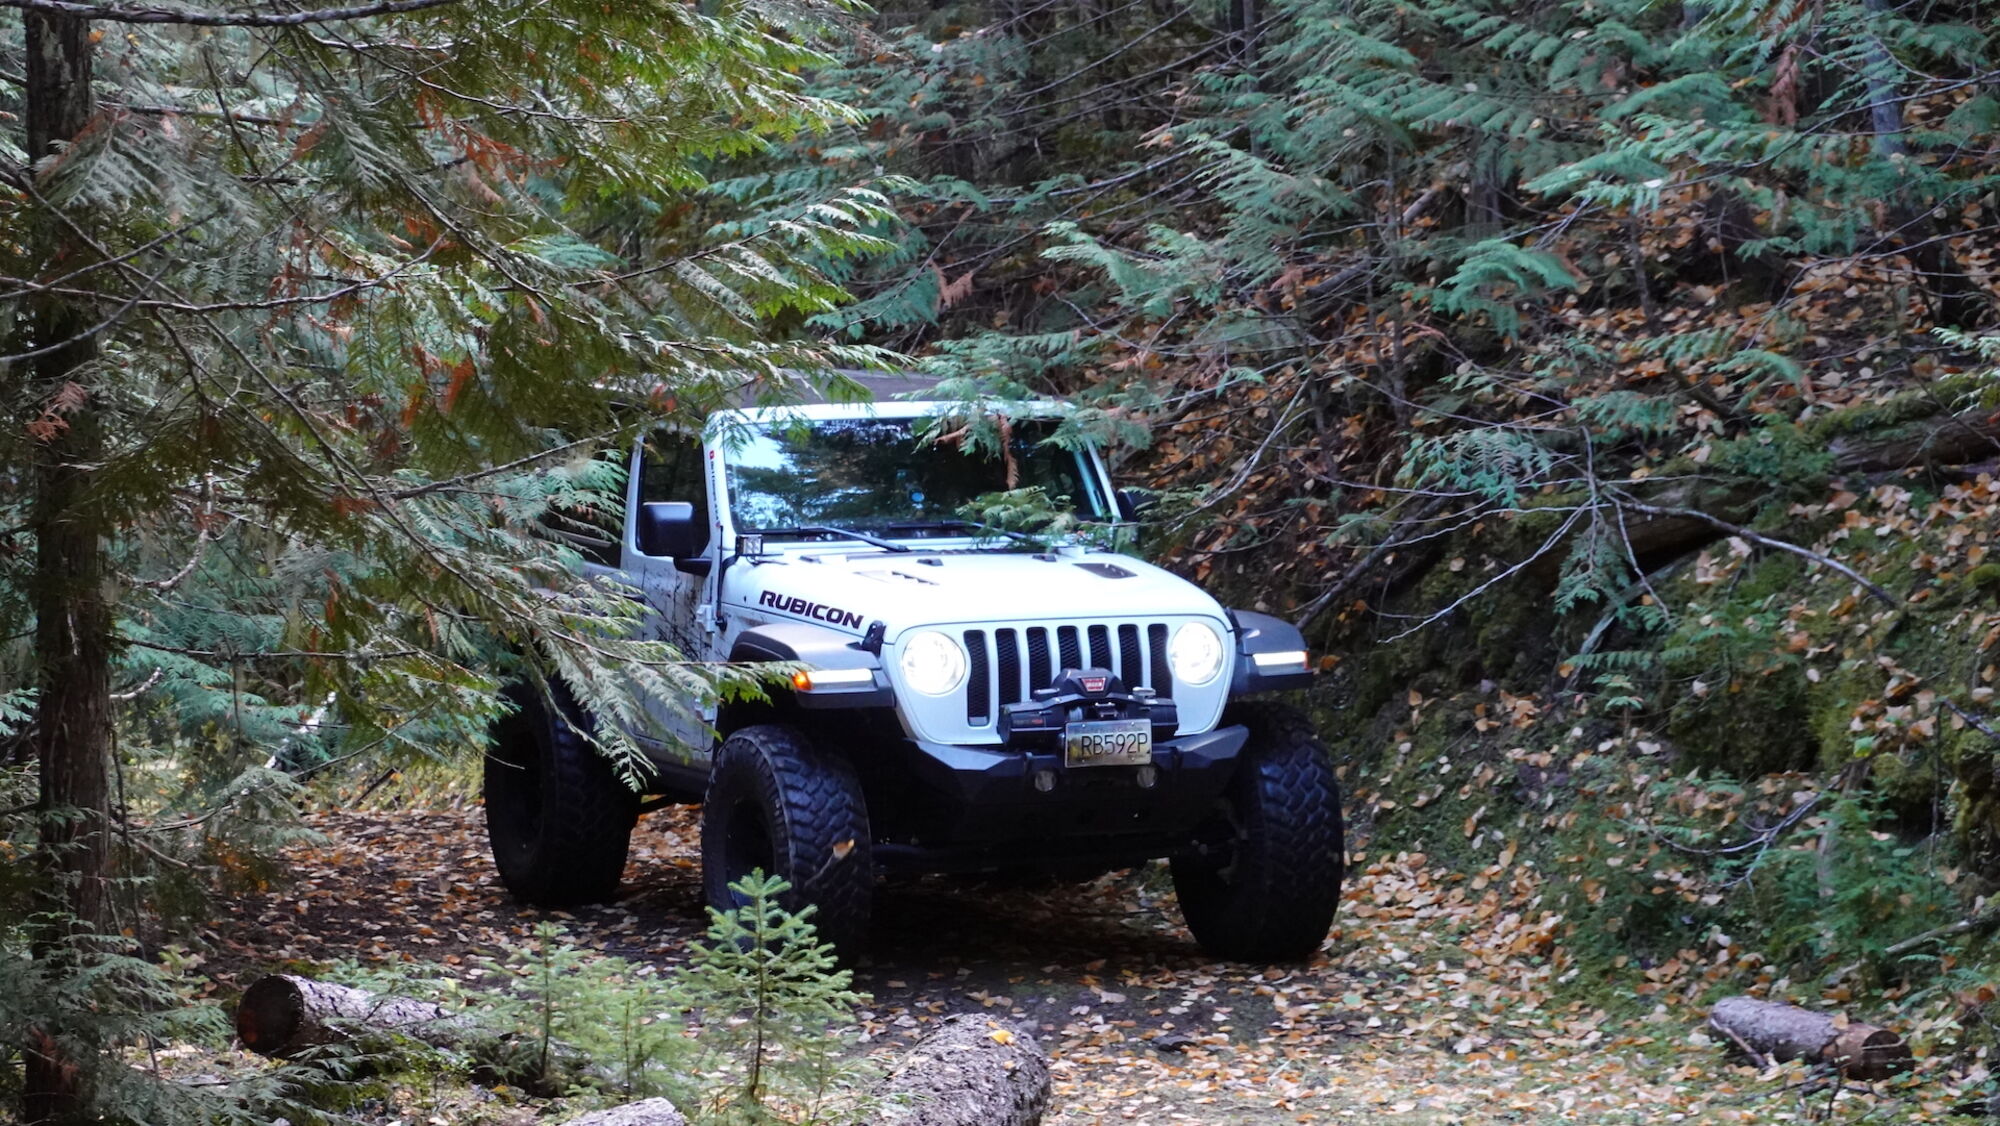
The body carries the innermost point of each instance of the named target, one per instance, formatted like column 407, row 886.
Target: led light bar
column 1285, row 659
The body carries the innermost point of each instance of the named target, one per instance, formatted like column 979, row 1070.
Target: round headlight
column 1195, row 654
column 933, row 663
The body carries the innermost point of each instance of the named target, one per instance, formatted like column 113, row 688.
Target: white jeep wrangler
column 975, row 700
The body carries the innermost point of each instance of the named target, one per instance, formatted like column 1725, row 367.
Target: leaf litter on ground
column 1440, row 996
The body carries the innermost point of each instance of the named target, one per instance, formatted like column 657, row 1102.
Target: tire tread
column 823, row 812
column 1290, row 854
column 587, row 811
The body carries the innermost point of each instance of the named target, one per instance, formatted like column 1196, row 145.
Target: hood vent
column 894, row 576
column 1106, row 570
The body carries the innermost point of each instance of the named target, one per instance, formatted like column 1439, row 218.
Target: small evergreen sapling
column 770, row 995
column 749, row 1031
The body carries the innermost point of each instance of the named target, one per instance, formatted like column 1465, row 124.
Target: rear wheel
column 1268, row 895
column 558, row 817
column 778, row 803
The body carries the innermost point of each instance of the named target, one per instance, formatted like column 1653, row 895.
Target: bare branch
column 277, row 654
column 1757, row 538
column 86, row 334
column 145, row 687
column 1356, row 573
column 115, row 14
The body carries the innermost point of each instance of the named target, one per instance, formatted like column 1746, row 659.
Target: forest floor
column 1436, row 999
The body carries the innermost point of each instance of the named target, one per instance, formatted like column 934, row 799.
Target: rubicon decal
column 818, row 611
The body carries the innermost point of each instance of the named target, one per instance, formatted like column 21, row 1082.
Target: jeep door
column 669, row 466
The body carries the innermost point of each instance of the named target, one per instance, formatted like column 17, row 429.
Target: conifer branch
column 280, row 654
column 156, row 15
column 186, row 111
column 464, row 479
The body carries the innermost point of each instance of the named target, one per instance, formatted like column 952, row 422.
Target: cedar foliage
column 1496, row 225
column 1381, row 271
column 1517, row 352
column 388, row 297
column 308, row 325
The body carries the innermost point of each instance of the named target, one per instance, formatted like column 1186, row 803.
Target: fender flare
column 1264, row 634
column 818, row 647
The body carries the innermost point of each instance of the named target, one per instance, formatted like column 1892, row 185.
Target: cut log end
column 1868, row 1053
column 646, row 1112
column 967, row 1071
column 268, row 1017
column 971, row 1071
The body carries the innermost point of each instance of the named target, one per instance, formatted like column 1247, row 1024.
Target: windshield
column 877, row 474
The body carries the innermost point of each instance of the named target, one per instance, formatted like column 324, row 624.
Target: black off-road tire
column 777, row 802
column 1269, row 894
column 558, row 817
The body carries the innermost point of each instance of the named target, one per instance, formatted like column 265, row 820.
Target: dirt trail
column 1429, row 1003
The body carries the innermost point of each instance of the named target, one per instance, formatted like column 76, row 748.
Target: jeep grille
column 998, row 675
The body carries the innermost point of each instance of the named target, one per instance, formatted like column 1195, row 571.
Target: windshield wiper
column 829, row 530
column 941, row 525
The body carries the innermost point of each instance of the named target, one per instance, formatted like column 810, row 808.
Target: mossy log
column 1954, row 439
column 1769, row 1030
column 1677, row 526
column 970, row 1071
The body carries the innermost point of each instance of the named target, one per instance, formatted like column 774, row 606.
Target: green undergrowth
column 751, row 1030
column 1766, row 780
column 1669, row 880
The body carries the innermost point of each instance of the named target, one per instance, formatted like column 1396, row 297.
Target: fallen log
column 646, row 1112
column 282, row 1015
column 1767, row 1030
column 970, row 1071
column 1952, row 439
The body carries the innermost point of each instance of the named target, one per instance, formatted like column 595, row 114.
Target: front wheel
column 1268, row 895
column 558, row 817
column 779, row 804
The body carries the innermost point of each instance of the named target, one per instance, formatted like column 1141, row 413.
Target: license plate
column 1108, row 742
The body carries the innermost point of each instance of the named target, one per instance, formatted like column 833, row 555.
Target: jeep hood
column 846, row 590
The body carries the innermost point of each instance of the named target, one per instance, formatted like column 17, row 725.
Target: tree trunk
column 1243, row 32
column 971, row 1071
column 1955, row 298
column 72, row 729
column 1787, row 1032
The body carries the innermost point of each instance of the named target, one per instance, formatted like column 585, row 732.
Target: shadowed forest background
column 1610, row 390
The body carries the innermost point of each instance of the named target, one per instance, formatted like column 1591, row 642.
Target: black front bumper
column 978, row 806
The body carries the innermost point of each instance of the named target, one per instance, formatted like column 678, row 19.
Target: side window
column 592, row 531
column 671, row 468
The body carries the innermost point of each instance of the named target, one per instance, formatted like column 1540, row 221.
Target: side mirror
column 1133, row 503
column 668, row 529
